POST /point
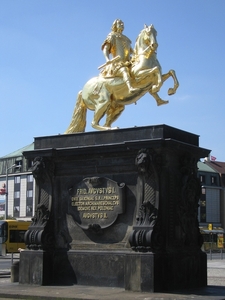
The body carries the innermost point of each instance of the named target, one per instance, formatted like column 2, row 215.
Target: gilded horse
column 108, row 96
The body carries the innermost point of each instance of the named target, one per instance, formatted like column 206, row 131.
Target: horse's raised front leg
column 172, row 73
column 156, row 87
column 141, row 74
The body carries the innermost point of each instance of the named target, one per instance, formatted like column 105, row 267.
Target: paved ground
column 215, row 289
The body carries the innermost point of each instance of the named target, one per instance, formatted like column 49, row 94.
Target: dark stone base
column 118, row 209
column 15, row 272
column 180, row 271
column 137, row 272
column 36, row 268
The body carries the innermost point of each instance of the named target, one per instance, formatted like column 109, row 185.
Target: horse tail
column 78, row 122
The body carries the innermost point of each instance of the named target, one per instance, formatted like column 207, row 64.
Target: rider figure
column 118, row 44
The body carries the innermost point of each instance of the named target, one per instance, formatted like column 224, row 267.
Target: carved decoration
column 40, row 233
column 145, row 235
column 188, row 206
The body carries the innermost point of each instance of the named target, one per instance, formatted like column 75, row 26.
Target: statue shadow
column 208, row 291
column 63, row 271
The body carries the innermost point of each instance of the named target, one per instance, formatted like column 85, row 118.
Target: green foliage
column 9, row 218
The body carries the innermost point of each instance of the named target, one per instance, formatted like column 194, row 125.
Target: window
column 17, row 202
column 203, row 217
column 16, row 185
column 202, row 178
column 213, row 206
column 29, row 203
column 29, row 193
column 30, row 178
column 16, row 211
column 202, row 206
column 29, row 210
column 202, row 203
column 17, row 179
column 213, row 180
column 16, row 194
column 16, row 208
column 29, row 163
column 16, row 236
column 2, row 207
column 18, row 162
column 30, row 182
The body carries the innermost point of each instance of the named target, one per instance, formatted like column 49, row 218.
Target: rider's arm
column 106, row 51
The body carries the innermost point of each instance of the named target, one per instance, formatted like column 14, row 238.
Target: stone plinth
column 117, row 208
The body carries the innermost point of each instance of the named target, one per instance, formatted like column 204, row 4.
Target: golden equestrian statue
column 123, row 79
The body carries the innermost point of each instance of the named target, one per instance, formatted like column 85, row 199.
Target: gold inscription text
column 94, row 203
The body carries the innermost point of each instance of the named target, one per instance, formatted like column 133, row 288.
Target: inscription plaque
column 97, row 201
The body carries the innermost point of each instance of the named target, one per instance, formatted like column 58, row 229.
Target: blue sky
column 51, row 48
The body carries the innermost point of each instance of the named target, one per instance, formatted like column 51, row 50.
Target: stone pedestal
column 36, row 267
column 116, row 208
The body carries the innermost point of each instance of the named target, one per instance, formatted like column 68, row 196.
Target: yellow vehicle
column 12, row 235
column 213, row 238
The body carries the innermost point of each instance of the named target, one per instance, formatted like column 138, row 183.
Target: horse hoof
column 112, row 128
column 171, row 91
column 161, row 102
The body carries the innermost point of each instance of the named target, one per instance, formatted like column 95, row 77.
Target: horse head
column 144, row 60
column 146, row 41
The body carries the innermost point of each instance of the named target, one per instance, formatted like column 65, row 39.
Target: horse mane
column 137, row 42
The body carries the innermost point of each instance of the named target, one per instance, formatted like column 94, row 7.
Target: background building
column 210, row 200
column 14, row 172
column 211, row 213
column 219, row 168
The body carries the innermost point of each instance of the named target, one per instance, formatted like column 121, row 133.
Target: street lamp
column 6, row 189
